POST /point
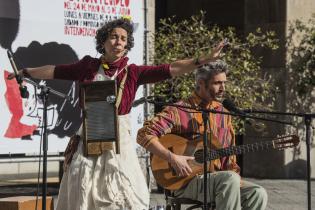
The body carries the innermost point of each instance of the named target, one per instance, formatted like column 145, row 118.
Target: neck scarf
column 115, row 67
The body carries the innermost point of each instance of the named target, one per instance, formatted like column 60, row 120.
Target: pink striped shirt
column 189, row 124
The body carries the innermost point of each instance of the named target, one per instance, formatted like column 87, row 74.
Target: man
column 225, row 186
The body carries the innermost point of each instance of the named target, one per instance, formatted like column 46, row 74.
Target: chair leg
column 168, row 207
column 194, row 207
column 177, row 206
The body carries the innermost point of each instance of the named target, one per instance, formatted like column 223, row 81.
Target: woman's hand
column 12, row 75
column 42, row 72
column 215, row 53
column 181, row 67
column 180, row 164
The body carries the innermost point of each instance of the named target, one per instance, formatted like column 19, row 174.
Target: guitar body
column 165, row 175
column 162, row 170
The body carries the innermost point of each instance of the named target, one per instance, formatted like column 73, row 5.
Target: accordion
column 100, row 125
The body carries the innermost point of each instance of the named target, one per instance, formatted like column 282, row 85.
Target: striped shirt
column 189, row 124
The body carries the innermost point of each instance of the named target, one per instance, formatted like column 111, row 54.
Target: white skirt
column 106, row 182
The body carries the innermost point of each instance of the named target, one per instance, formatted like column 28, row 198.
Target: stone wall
column 246, row 16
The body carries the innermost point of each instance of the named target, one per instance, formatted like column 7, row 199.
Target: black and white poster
column 41, row 32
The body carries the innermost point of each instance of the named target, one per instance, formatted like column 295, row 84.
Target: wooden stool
column 25, row 203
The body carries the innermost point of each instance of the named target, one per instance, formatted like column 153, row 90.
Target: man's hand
column 180, row 164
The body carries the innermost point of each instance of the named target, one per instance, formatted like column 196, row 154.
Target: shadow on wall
column 296, row 169
column 69, row 117
column 36, row 54
column 9, row 22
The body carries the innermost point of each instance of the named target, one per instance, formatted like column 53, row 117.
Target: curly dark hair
column 103, row 33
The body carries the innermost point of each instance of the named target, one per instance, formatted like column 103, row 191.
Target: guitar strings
column 235, row 149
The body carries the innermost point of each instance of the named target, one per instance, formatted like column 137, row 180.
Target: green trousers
column 225, row 190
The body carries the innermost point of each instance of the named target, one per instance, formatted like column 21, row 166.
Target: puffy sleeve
column 152, row 74
column 74, row 71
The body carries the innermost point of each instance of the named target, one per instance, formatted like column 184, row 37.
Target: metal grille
column 100, row 123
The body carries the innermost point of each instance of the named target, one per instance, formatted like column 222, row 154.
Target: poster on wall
column 43, row 32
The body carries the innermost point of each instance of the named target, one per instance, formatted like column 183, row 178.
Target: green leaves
column 192, row 37
column 301, row 66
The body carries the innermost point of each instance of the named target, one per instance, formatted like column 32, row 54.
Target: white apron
column 106, row 182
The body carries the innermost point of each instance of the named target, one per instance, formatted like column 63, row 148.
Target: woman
column 111, row 181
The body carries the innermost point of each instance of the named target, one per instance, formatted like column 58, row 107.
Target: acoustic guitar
column 165, row 175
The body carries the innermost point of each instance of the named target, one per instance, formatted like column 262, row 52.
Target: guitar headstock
column 287, row 141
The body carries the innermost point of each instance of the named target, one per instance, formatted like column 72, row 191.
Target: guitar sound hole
column 199, row 156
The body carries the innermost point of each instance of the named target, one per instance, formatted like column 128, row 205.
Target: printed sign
column 46, row 32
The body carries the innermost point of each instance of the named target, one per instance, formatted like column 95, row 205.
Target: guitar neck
column 237, row 150
column 164, row 172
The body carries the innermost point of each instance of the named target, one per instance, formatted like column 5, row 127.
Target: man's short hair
column 207, row 71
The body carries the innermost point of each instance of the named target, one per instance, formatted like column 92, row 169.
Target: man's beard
column 219, row 96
